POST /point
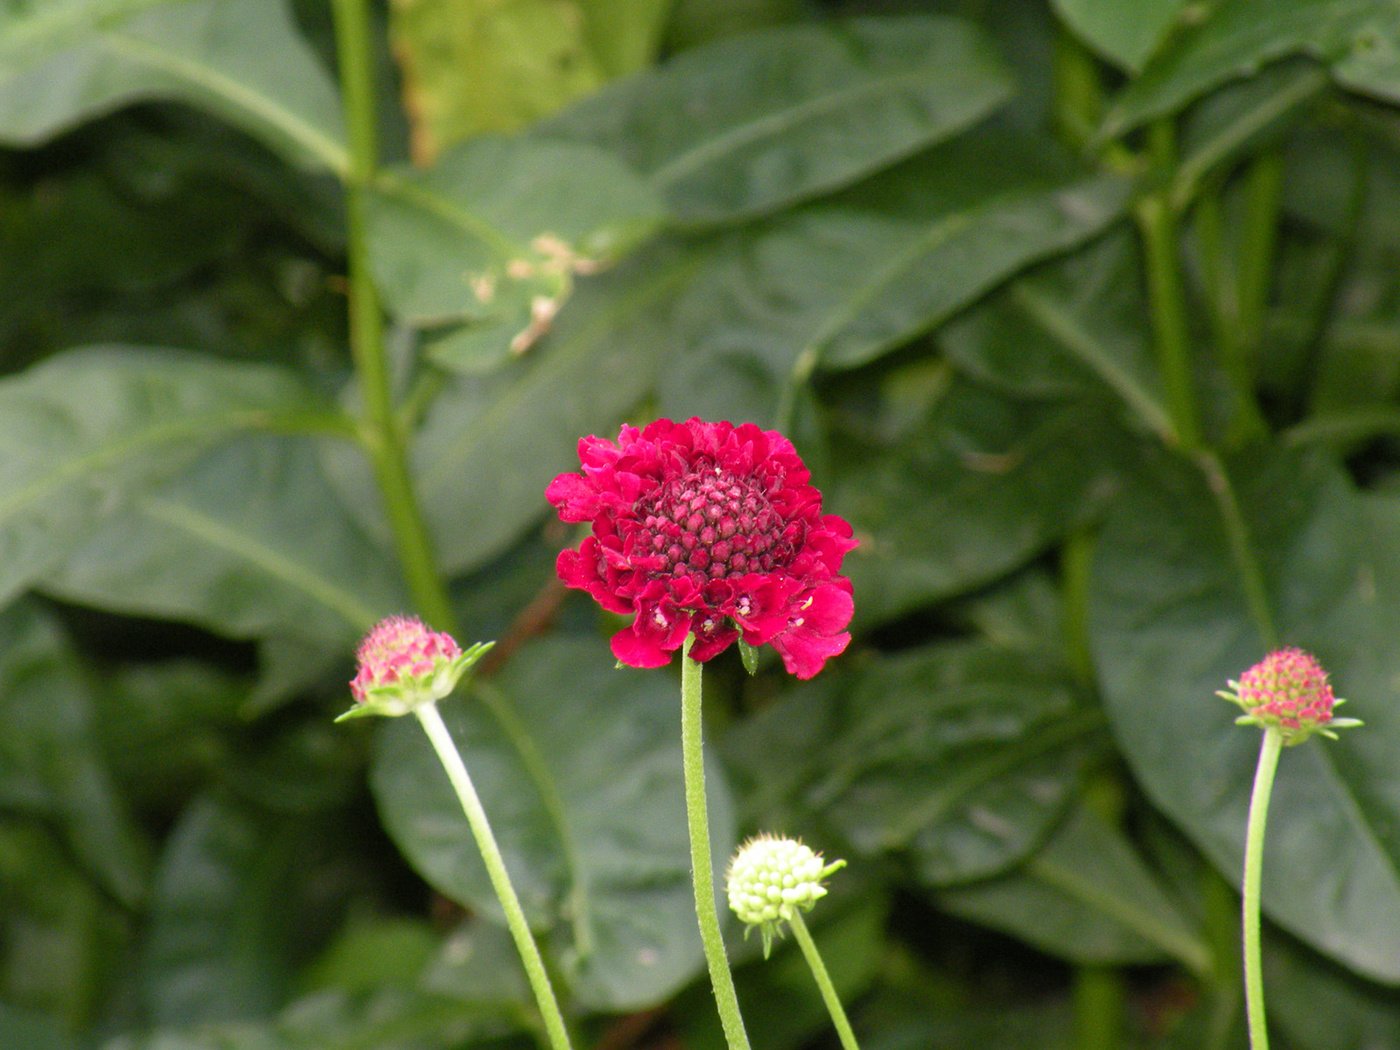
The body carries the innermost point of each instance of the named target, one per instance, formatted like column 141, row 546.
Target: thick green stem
column 702, row 870
column 1157, row 223
column 381, row 433
column 1078, row 90
column 823, row 979
column 1263, row 198
column 433, row 725
column 1223, row 291
column 1098, row 1008
column 1253, row 870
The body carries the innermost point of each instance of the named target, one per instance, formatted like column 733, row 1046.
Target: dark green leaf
column 490, row 445
column 250, row 542
column 594, row 836
column 749, row 125
column 1079, row 317
column 85, row 432
column 495, row 227
column 982, row 487
column 839, row 283
column 63, row 63
column 1126, row 35
column 965, row 754
column 1086, row 896
column 1358, row 39
column 1321, row 1006
column 1198, row 575
column 51, row 761
column 63, row 939
column 224, row 918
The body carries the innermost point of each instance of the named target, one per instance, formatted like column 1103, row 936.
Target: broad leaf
column 490, row 445
column 964, row 754
column 493, row 235
column 749, row 125
column 1085, row 896
column 1197, row 576
column 837, row 284
column 1126, row 35
column 51, row 759
column 1358, row 39
column 225, row 920
column 85, row 433
column 68, row 61
column 1073, row 325
column 1321, row 1006
column 982, row 487
column 250, row 542
column 586, row 800
column 473, row 66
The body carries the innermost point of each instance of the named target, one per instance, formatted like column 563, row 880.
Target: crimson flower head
column 1288, row 690
column 710, row 529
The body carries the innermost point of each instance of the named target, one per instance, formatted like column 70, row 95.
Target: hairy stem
column 823, row 979
column 431, row 720
column 1253, row 871
column 702, row 870
column 381, row 433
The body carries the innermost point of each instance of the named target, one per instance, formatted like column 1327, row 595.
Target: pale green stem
column 1253, row 870
column 446, row 748
column 702, row 871
column 828, row 990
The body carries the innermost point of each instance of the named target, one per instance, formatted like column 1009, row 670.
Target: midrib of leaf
column 114, row 451
column 553, row 801
column 496, row 415
column 1173, row 940
column 1005, row 760
column 1071, row 335
column 1194, row 167
column 713, row 149
column 899, row 263
column 325, row 149
column 391, row 185
column 219, row 536
column 37, row 36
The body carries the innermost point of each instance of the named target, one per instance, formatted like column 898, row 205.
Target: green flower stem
column 828, row 990
column 1253, row 869
column 1263, row 200
column 702, row 870
column 1157, row 223
column 381, row 433
column 1098, row 1008
column 441, row 739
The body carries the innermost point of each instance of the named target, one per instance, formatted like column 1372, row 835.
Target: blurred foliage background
column 1086, row 314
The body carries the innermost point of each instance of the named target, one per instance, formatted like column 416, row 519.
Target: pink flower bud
column 403, row 664
column 1288, row 690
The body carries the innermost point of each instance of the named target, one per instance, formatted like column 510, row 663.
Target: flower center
column 713, row 524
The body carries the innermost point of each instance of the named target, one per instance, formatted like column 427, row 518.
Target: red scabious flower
column 712, row 529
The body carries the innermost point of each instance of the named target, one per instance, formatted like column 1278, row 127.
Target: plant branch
column 1253, row 870
column 431, row 720
column 702, row 869
column 1157, row 224
column 380, row 433
column 823, row 979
